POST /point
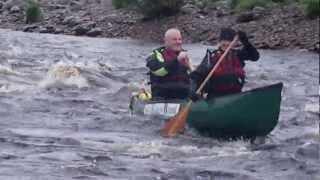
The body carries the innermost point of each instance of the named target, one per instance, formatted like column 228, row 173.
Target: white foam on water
column 16, row 51
column 141, row 148
column 158, row 147
column 134, row 86
column 312, row 108
column 11, row 88
column 297, row 132
column 12, row 81
column 36, row 132
column 234, row 147
column 64, row 75
column 8, row 53
column 61, row 156
column 7, row 70
column 69, row 73
column 144, row 148
column 96, row 66
column 225, row 149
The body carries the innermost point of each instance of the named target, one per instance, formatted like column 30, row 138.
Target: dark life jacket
column 229, row 76
column 168, row 77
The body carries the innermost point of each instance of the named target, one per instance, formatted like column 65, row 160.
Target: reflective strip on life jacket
column 162, row 71
column 159, row 56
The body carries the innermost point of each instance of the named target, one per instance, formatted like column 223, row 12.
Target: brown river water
column 64, row 115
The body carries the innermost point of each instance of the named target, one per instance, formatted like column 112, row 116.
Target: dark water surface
column 64, row 115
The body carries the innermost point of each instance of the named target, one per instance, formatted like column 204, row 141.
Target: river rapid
column 64, row 115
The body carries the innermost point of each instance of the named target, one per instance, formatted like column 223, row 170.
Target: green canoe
column 248, row 114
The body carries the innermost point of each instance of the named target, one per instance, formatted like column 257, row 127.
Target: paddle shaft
column 216, row 65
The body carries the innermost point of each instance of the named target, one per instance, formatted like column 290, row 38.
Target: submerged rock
column 47, row 29
column 245, row 17
column 30, row 28
column 15, row 9
column 95, row 32
column 85, row 28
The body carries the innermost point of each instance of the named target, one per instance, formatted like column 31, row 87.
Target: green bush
column 156, row 8
column 122, row 3
column 250, row 4
column 151, row 8
column 233, row 3
column 33, row 12
column 312, row 8
column 203, row 4
column 279, row 1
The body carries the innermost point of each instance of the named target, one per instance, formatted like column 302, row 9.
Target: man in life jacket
column 169, row 68
column 229, row 76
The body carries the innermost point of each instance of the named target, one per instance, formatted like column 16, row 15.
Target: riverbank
column 281, row 27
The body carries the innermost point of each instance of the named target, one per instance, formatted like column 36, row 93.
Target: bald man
column 169, row 68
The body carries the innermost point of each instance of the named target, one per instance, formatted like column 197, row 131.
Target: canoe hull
column 248, row 114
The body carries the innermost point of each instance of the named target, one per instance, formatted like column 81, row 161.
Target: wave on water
column 159, row 148
column 7, row 80
column 64, row 76
column 6, row 70
column 11, row 88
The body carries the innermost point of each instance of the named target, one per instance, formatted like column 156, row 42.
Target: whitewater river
column 64, row 115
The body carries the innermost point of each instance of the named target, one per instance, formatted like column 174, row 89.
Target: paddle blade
column 176, row 123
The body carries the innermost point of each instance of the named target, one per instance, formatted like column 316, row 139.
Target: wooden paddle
column 177, row 123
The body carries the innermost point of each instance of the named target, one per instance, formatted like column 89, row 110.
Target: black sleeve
column 153, row 64
column 248, row 52
column 198, row 75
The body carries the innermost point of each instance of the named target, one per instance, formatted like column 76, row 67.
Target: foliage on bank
column 241, row 5
column 312, row 7
column 33, row 12
column 157, row 8
column 152, row 8
column 122, row 3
